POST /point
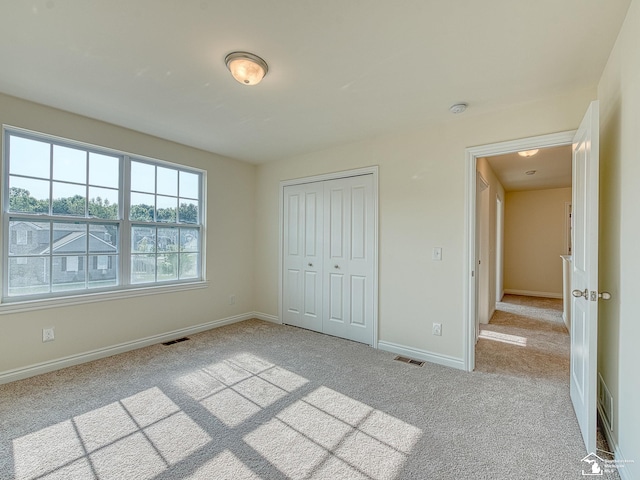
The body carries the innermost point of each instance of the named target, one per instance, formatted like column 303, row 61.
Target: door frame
column 469, row 284
column 372, row 170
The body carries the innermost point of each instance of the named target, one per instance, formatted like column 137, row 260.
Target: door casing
column 373, row 170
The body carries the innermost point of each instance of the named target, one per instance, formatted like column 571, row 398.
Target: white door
column 584, row 276
column 482, row 257
column 349, row 258
column 303, row 251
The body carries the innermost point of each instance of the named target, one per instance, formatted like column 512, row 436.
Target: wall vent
column 605, row 400
column 177, row 340
column 410, row 361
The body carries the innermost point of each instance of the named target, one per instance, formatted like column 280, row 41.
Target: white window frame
column 124, row 288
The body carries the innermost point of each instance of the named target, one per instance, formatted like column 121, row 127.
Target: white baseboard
column 417, row 354
column 266, row 317
column 615, row 449
column 45, row 367
column 531, row 293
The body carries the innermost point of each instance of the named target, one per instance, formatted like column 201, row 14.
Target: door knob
column 337, row 266
column 580, row 293
column 311, row 264
column 605, row 295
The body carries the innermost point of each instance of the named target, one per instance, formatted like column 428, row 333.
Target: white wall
column 534, row 239
column 230, row 232
column 496, row 190
column 422, row 203
column 619, row 322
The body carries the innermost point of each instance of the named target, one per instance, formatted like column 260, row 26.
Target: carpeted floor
column 255, row 400
column 526, row 337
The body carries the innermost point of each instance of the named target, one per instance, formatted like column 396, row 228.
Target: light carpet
column 255, row 400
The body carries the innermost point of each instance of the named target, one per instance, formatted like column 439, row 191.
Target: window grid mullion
column 125, row 223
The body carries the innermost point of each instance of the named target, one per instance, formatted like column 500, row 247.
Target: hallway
column 525, row 337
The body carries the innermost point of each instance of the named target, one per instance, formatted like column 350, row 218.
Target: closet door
column 349, row 258
column 302, row 273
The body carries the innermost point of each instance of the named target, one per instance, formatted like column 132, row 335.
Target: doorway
column 471, row 233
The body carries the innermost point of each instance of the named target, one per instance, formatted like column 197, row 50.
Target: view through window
column 80, row 218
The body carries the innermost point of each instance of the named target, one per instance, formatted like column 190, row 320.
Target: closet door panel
column 303, row 238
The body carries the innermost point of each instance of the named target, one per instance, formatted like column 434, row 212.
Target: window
column 132, row 221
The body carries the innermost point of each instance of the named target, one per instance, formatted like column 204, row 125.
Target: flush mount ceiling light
column 246, row 68
column 458, row 108
column 528, row 153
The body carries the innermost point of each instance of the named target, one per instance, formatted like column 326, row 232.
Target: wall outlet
column 232, row 299
column 48, row 334
column 437, row 329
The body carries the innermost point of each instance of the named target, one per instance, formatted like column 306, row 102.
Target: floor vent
column 177, row 340
column 410, row 361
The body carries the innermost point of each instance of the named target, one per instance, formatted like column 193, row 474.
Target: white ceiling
column 340, row 70
column 552, row 167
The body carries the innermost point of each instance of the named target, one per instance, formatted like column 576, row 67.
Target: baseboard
column 531, row 293
column 417, row 354
column 50, row 366
column 266, row 317
column 621, row 460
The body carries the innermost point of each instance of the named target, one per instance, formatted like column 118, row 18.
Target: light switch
column 437, row 254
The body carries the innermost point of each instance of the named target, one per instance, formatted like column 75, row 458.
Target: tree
column 20, row 200
column 102, row 208
column 188, row 213
column 141, row 213
column 69, row 206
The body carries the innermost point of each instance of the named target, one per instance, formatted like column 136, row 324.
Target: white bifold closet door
column 329, row 257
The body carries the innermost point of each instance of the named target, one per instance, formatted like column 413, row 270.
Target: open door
column 584, row 276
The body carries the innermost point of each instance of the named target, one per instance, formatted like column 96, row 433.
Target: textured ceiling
column 340, row 70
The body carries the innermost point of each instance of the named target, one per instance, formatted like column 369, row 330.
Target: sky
column 32, row 158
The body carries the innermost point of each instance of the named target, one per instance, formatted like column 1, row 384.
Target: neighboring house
column 73, row 257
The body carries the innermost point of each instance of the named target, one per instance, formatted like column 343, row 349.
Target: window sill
column 29, row 305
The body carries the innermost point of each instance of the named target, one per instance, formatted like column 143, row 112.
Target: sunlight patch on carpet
column 137, row 437
column 503, row 337
column 147, row 434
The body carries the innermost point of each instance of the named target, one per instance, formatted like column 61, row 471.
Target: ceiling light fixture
column 530, row 172
column 528, row 153
column 246, row 68
column 458, row 108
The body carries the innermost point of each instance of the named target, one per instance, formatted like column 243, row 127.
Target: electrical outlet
column 232, row 299
column 48, row 334
column 437, row 329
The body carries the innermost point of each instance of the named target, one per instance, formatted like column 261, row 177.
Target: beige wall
column 230, row 232
column 534, row 239
column 422, row 205
column 619, row 322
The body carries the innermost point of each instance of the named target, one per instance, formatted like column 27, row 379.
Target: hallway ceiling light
column 528, row 153
column 246, row 68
